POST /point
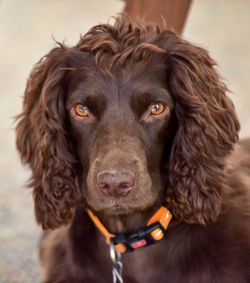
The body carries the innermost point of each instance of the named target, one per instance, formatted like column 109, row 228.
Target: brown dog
column 129, row 116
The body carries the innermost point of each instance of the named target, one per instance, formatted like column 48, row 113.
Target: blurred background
column 26, row 29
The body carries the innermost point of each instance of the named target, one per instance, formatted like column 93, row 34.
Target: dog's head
column 129, row 115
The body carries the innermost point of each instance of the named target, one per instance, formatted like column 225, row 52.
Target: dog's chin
column 119, row 207
column 113, row 207
column 118, row 210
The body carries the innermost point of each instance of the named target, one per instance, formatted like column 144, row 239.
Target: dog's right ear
column 42, row 140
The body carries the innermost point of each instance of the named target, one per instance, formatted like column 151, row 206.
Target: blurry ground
column 26, row 27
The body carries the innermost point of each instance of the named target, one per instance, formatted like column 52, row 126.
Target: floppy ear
column 207, row 129
column 42, row 141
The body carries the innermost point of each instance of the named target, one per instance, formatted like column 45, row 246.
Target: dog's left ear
column 207, row 130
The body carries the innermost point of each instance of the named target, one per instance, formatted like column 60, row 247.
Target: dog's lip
column 116, row 203
column 117, row 210
column 113, row 205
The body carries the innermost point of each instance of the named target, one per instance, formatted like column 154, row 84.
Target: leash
column 117, row 264
column 145, row 236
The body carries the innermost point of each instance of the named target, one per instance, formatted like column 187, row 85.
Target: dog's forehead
column 120, row 83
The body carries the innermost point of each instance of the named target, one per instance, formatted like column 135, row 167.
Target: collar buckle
column 143, row 237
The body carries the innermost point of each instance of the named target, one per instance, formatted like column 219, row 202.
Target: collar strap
column 148, row 235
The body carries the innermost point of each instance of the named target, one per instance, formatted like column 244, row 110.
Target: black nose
column 115, row 183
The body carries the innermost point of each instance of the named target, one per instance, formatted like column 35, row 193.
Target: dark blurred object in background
column 173, row 11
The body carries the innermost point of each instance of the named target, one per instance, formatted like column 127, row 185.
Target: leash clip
column 117, row 263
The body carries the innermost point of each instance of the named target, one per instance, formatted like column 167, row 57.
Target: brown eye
column 157, row 108
column 81, row 110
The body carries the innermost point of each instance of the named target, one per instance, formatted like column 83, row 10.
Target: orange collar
column 148, row 235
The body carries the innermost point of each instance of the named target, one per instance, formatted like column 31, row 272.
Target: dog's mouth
column 118, row 209
column 123, row 205
column 113, row 206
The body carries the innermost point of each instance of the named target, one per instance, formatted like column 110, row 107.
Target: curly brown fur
column 122, row 161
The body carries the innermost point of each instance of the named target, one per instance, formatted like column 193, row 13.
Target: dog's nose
column 115, row 183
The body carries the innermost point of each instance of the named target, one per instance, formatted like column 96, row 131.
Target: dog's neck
column 119, row 224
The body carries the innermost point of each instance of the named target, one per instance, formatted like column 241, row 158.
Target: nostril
column 104, row 186
column 125, row 187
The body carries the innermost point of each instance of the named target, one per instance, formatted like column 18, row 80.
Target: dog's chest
column 145, row 265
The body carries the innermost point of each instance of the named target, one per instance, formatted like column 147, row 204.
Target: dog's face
column 127, row 114
column 122, row 126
